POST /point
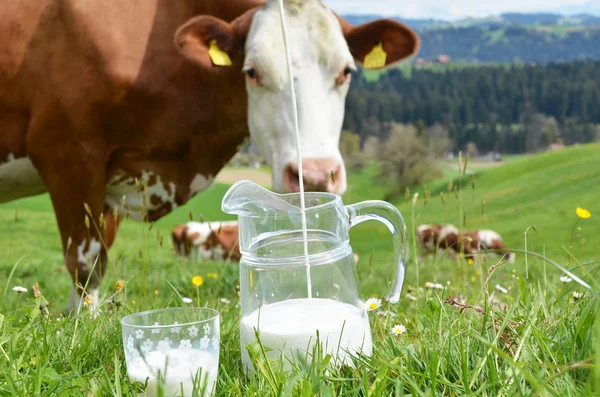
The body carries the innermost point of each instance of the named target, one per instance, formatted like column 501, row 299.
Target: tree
column 349, row 143
column 405, row 159
column 438, row 141
column 372, row 147
column 471, row 149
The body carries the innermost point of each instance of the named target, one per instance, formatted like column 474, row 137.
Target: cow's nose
column 319, row 175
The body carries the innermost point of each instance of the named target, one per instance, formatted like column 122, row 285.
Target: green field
column 534, row 340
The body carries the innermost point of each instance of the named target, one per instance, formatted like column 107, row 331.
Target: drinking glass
column 175, row 350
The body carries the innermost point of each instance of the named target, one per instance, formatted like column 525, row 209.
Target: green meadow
column 495, row 329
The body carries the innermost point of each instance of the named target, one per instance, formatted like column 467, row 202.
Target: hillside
column 513, row 37
column 542, row 190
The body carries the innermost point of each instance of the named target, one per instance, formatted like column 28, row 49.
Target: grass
column 537, row 339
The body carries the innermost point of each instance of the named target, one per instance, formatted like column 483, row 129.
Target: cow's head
column 324, row 49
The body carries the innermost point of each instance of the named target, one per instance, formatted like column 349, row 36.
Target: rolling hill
column 541, row 190
column 507, row 38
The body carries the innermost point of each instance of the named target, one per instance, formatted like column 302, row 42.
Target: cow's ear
column 211, row 42
column 382, row 42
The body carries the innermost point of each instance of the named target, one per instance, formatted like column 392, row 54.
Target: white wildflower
column 225, row 301
column 372, row 304
column 411, row 297
column 187, row 300
column 566, row 279
column 433, row 285
column 19, row 289
column 501, row 289
column 398, row 329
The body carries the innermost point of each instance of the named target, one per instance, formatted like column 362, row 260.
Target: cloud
column 456, row 9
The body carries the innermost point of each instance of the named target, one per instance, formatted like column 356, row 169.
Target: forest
column 503, row 108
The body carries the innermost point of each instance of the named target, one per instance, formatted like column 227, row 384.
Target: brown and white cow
column 207, row 241
column 116, row 108
column 471, row 243
column 432, row 238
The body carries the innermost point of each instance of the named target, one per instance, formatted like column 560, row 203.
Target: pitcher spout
column 246, row 198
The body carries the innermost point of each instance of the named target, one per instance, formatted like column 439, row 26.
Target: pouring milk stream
column 288, row 59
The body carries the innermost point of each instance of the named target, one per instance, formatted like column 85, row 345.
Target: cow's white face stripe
column 319, row 53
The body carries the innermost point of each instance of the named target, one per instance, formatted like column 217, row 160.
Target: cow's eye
column 345, row 75
column 251, row 74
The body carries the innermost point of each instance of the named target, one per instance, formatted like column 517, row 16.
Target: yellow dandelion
column 212, row 275
column 582, row 213
column 119, row 286
column 478, row 272
column 473, row 279
column 155, row 292
column 197, row 281
column 470, row 261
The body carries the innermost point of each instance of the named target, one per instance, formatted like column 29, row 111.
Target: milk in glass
column 181, row 370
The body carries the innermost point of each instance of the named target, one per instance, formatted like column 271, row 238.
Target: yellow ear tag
column 217, row 55
column 376, row 58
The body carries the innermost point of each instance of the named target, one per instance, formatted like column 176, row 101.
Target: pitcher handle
column 389, row 215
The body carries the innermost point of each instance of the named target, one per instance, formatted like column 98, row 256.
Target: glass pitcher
column 288, row 297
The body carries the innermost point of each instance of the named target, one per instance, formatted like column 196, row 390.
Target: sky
column 456, row 9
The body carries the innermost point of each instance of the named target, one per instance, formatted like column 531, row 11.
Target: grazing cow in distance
column 129, row 108
column 433, row 237
column 207, row 241
column 471, row 243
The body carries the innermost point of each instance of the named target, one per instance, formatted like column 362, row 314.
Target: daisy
column 398, row 329
column 19, row 289
column 433, row 285
column 501, row 289
column 225, row 301
column 577, row 295
column 372, row 304
column 566, row 279
column 187, row 300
